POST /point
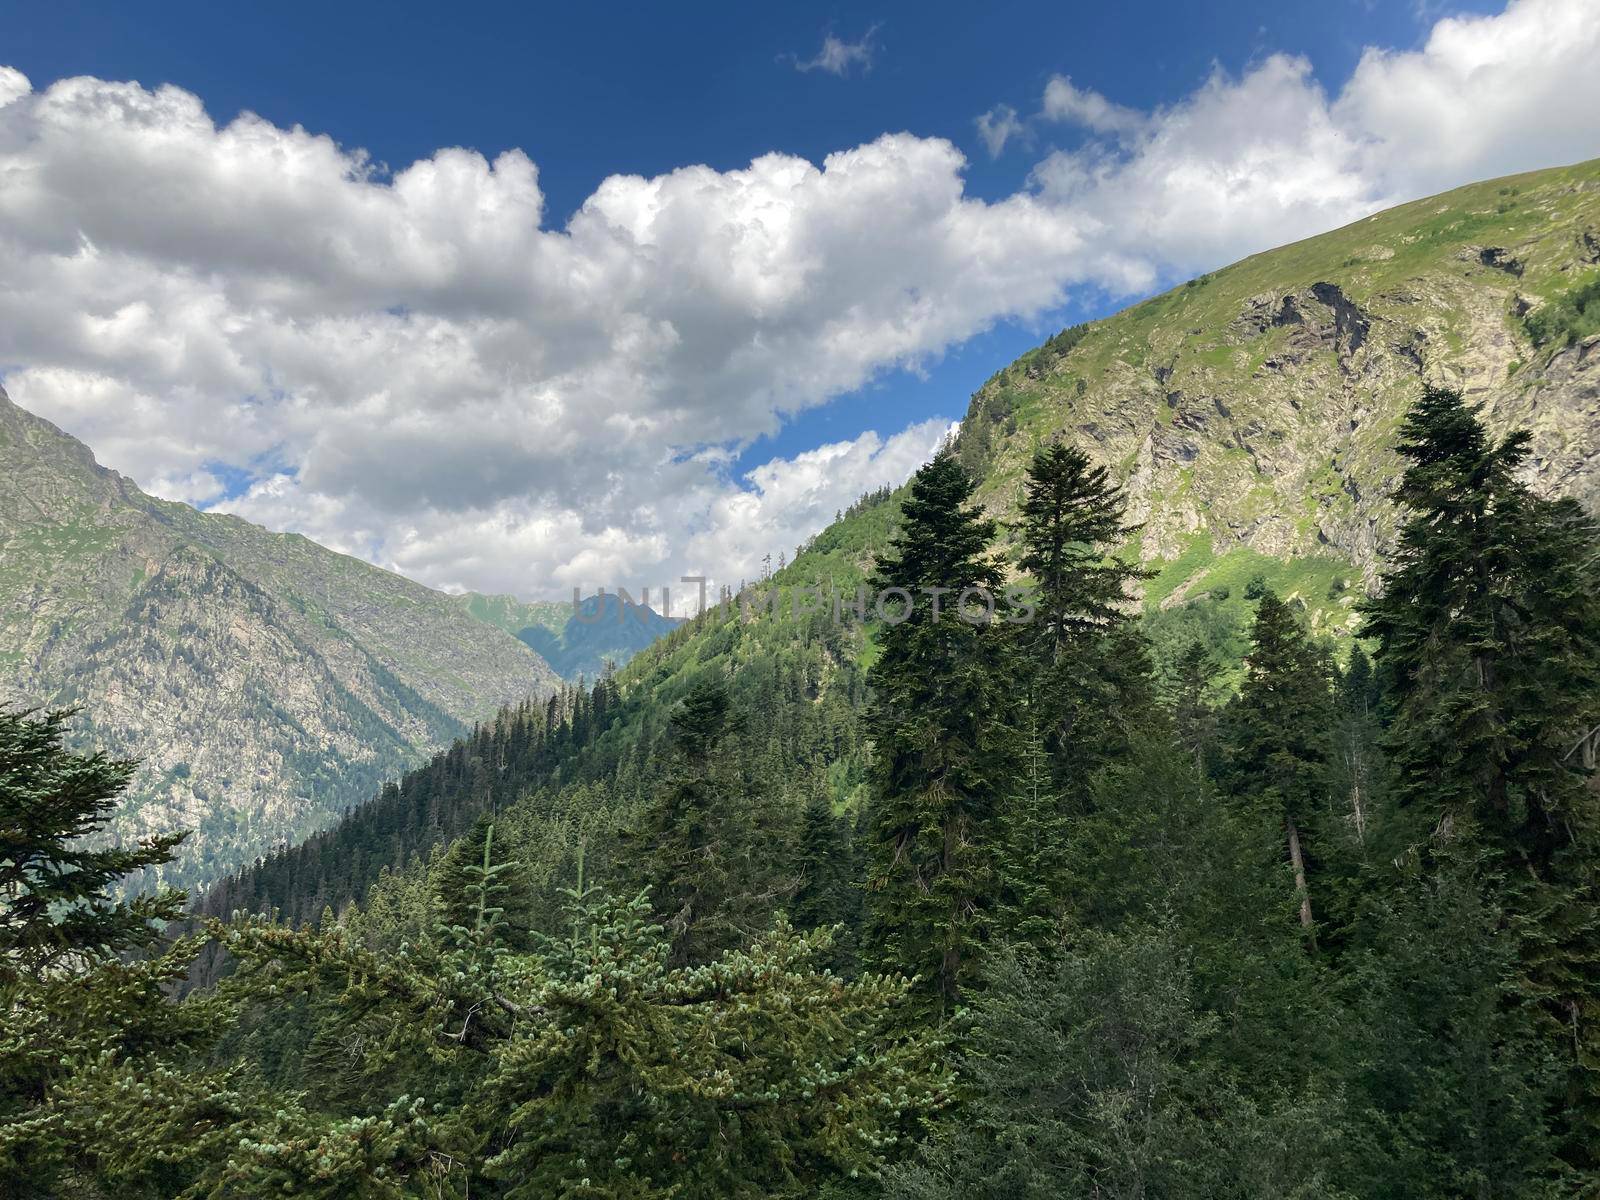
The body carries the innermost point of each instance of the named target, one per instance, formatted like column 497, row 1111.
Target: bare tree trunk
column 1355, row 763
column 1299, row 864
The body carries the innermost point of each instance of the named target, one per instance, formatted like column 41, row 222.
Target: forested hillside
column 1005, row 843
column 1034, row 925
column 801, row 681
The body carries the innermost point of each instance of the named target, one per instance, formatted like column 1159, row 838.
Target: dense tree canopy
column 976, row 899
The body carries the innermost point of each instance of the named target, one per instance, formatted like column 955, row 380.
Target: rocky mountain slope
column 1252, row 412
column 265, row 682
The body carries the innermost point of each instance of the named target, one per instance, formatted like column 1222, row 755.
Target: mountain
column 266, row 683
column 1252, row 411
column 576, row 640
column 1251, row 415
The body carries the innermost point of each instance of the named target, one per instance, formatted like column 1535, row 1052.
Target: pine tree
column 483, row 893
column 71, row 1002
column 698, row 845
column 1193, row 707
column 1082, row 678
column 936, row 720
column 1489, row 623
column 1072, row 522
column 1277, row 754
column 826, row 895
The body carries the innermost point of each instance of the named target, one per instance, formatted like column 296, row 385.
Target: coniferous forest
column 1048, row 903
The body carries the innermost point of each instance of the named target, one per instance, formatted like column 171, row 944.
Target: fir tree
column 484, row 894
column 1072, row 522
column 1277, row 753
column 698, row 845
column 1036, row 840
column 936, row 719
column 55, row 911
column 1489, row 623
column 1489, row 632
column 827, row 896
column 1191, row 701
column 1087, row 669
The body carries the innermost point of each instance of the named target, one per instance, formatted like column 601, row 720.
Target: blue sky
column 428, row 365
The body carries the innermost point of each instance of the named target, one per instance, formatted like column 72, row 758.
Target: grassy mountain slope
column 267, row 683
column 1252, row 411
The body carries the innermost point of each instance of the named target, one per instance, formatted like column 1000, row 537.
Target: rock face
column 1253, row 412
column 265, row 682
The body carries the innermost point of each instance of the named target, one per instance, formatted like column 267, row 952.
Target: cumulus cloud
column 417, row 369
column 998, row 126
column 1064, row 101
column 13, row 85
column 1249, row 162
column 838, row 57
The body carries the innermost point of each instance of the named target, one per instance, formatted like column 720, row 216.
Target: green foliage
column 1090, row 1079
column 1181, row 927
column 1567, row 318
column 54, row 913
column 752, row 1075
column 698, row 845
column 939, row 741
column 1489, row 631
column 1277, row 740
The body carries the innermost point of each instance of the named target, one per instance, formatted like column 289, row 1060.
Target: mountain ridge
column 1251, row 412
column 266, row 682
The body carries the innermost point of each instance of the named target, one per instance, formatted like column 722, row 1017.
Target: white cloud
column 1246, row 163
column 998, row 126
column 416, row 369
column 837, row 56
column 791, row 499
column 13, row 85
column 1063, row 101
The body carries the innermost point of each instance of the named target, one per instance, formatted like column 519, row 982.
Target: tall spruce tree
column 1035, row 844
column 1083, row 677
column 1278, row 744
column 1089, row 671
column 1489, row 624
column 1072, row 522
column 1191, row 700
column 936, row 720
column 826, row 895
column 1488, row 627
